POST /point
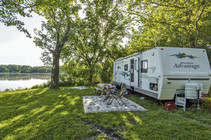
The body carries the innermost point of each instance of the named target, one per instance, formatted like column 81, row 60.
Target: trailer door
column 131, row 72
column 136, row 73
column 144, row 70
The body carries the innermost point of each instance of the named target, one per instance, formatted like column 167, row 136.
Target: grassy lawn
column 45, row 114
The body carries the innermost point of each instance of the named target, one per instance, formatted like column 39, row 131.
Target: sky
column 16, row 48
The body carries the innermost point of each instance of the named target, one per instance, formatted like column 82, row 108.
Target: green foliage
column 73, row 73
column 24, row 69
column 178, row 24
column 8, row 90
column 11, row 9
column 45, row 85
column 47, row 114
column 209, row 53
column 97, row 36
column 13, row 68
column 60, row 22
column 57, row 28
column 106, row 74
column 76, row 72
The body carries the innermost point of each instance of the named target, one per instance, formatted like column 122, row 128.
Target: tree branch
column 17, row 5
column 208, row 38
column 174, row 6
column 66, row 35
column 196, row 23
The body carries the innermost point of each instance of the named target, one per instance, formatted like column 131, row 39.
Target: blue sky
column 16, row 48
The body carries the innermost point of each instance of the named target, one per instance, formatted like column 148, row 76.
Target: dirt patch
column 100, row 130
column 132, row 121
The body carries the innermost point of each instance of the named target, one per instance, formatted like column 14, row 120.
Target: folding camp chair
column 97, row 90
column 114, row 96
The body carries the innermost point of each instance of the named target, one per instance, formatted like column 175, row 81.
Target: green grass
column 45, row 114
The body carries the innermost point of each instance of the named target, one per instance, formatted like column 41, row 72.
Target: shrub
column 8, row 89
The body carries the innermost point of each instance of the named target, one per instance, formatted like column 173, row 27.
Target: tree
column 101, row 28
column 2, row 69
column 178, row 23
column 74, row 73
column 13, row 68
column 42, row 70
column 25, row 69
column 56, row 31
column 34, row 70
column 11, row 9
column 106, row 73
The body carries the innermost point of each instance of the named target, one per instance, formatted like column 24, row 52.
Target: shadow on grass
column 46, row 114
column 40, row 114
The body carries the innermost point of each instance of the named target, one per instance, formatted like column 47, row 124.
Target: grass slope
column 45, row 114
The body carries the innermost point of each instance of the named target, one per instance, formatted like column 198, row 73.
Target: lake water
column 22, row 80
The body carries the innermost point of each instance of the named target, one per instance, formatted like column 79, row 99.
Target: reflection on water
column 24, row 76
column 22, row 80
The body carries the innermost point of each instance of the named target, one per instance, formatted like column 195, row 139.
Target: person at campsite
column 108, row 88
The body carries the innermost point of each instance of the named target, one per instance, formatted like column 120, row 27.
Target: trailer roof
column 179, row 48
column 137, row 53
column 121, row 58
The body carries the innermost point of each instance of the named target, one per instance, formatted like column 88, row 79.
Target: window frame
column 136, row 64
column 126, row 67
column 143, row 69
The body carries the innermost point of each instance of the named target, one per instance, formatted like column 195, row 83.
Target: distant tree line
column 24, row 69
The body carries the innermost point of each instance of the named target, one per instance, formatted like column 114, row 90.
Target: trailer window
column 144, row 66
column 136, row 68
column 153, row 86
column 126, row 67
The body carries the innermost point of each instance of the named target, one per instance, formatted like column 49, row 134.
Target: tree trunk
column 55, row 71
column 91, row 72
column 90, row 78
column 192, row 42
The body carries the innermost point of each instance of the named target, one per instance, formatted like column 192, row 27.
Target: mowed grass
column 45, row 114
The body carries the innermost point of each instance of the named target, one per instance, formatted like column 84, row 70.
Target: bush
column 41, row 86
column 8, row 89
column 35, row 87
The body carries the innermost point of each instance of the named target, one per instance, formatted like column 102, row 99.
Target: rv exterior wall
column 114, row 71
column 123, row 71
column 172, row 83
column 163, row 70
column 151, row 79
column 181, row 66
column 184, row 61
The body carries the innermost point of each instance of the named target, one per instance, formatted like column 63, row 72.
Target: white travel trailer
column 162, row 71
